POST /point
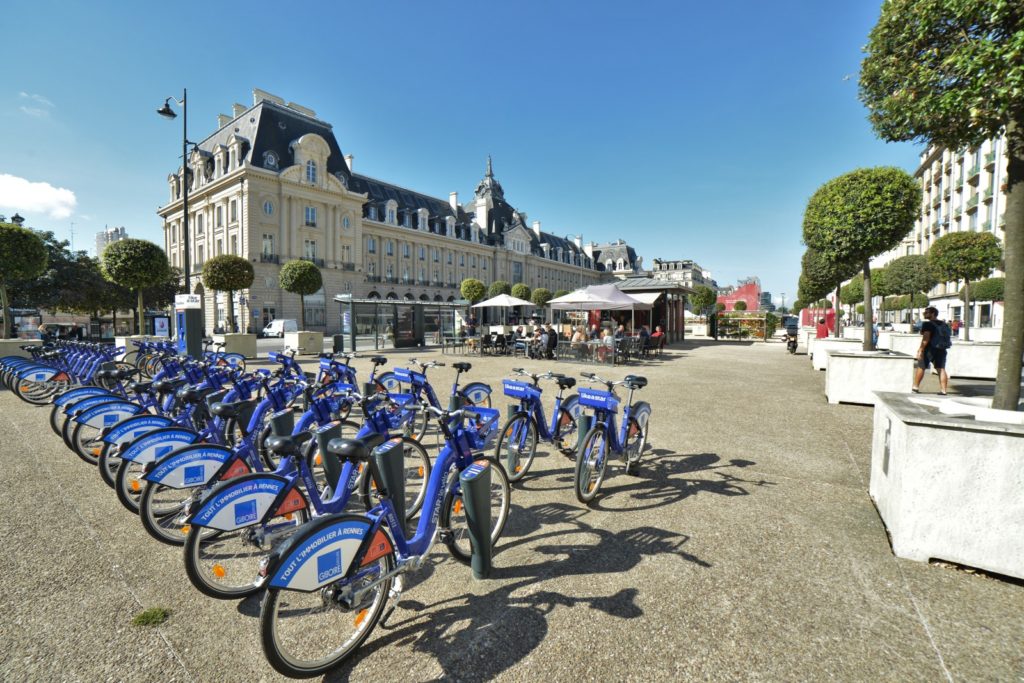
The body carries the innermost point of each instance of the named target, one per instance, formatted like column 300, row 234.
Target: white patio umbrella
column 503, row 301
column 598, row 297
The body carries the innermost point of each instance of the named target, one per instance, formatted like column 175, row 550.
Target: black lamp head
column 166, row 110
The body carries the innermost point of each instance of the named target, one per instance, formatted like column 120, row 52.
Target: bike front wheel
column 590, row 464
column 453, row 513
column 636, row 440
column 517, row 445
column 163, row 512
column 416, row 464
column 308, row 634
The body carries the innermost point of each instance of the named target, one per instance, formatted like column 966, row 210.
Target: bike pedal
column 445, row 536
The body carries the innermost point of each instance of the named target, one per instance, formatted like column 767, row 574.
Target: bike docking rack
column 331, row 462
column 475, row 481
column 389, row 460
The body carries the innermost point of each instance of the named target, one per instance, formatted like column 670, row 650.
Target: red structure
column 809, row 317
column 748, row 291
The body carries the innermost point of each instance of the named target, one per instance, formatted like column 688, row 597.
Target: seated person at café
column 595, row 333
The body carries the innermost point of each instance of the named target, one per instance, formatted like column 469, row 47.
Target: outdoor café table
column 451, row 343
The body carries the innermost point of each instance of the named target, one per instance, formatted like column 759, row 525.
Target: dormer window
column 405, row 220
column 449, row 224
column 619, row 265
column 608, row 264
column 372, row 213
column 311, row 172
column 421, row 216
column 270, row 160
column 391, row 210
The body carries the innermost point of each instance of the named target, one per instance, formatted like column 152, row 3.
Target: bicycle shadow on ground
column 461, row 632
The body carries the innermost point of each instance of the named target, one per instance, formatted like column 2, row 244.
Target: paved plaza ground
column 746, row 548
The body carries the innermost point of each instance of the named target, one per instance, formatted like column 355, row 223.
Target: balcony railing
column 972, row 203
column 990, row 159
column 988, row 195
column 987, row 225
column 937, row 199
column 373, row 278
column 973, row 173
column 318, row 262
column 270, row 258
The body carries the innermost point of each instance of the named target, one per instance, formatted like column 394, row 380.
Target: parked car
column 277, row 328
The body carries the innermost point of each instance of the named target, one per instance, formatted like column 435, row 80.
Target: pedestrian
column 822, row 330
column 935, row 342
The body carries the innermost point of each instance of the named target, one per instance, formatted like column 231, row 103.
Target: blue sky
column 691, row 130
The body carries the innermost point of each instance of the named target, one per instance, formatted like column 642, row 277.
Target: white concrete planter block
column 948, row 486
column 903, row 328
column 804, row 337
column 983, row 334
column 126, row 342
column 904, row 343
column 698, row 329
column 12, row 347
column 311, row 343
column 853, row 333
column 854, row 377
column 977, row 360
column 884, row 340
column 822, row 347
column 244, row 344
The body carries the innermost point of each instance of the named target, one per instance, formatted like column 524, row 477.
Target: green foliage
column 541, row 296
column 229, row 273
column 472, row 290
column 861, row 214
column 499, row 287
column 136, row 265
column 905, row 301
column 154, row 616
column 302, row 278
column 964, row 255
column 702, row 298
column 520, row 291
column 910, row 275
column 989, row 289
column 739, row 306
column 798, row 306
column 162, row 294
column 23, row 256
column 820, row 276
column 719, row 307
column 860, row 309
column 853, row 291
column 880, row 283
column 822, row 303
column 771, row 322
column 561, row 292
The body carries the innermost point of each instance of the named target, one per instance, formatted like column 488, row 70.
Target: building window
column 234, row 211
column 371, row 245
column 174, row 233
column 371, row 268
column 423, row 253
column 974, row 221
column 345, row 222
column 391, row 215
column 309, row 249
column 423, row 221
column 234, row 244
column 268, row 207
column 405, row 275
column 390, row 271
column 373, row 213
column 389, row 248
column 405, row 250
column 269, row 160
column 220, row 247
column 449, row 258
column 311, row 216
column 200, row 254
column 436, row 254
column 220, row 216
column 268, row 245
column 405, row 220
column 462, row 260
column 483, row 263
column 311, row 171
column 199, row 224
column 472, row 261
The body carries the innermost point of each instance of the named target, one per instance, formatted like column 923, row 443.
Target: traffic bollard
column 475, row 482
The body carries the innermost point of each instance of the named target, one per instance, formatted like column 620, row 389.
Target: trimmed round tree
column 136, row 265
column 989, row 289
column 739, row 306
column 859, row 215
column 911, row 275
column 702, row 299
column 23, row 256
column 561, row 292
column 541, row 296
column 965, row 256
column 521, row 291
column 497, row 288
column 302, row 278
column 950, row 74
column 472, row 290
column 821, row 276
column 852, row 292
column 228, row 273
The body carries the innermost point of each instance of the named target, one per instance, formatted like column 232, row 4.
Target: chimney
column 348, row 162
column 223, row 120
column 536, row 228
column 578, row 240
column 237, row 109
column 453, row 200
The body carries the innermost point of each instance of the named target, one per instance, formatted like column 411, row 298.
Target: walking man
column 935, row 342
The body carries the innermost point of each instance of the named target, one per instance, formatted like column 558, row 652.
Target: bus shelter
column 398, row 323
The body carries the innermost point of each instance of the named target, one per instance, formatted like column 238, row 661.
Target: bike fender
column 641, row 407
column 37, row 374
column 157, row 444
column 73, row 395
column 240, row 502
column 134, row 427
column 108, row 414
column 189, row 466
column 321, row 554
column 477, row 386
column 75, row 407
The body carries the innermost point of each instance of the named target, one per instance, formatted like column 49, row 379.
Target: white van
column 277, row 328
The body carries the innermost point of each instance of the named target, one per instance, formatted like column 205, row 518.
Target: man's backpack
column 941, row 338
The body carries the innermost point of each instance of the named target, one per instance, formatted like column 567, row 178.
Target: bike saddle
column 635, row 381
column 140, row 387
column 565, row 382
column 167, row 386
column 462, row 367
column 287, row 445
column 379, row 360
column 354, row 449
column 188, row 395
column 231, row 408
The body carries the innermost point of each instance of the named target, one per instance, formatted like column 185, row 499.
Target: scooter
column 791, row 341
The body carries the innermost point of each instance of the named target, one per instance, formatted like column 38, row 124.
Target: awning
column 646, row 297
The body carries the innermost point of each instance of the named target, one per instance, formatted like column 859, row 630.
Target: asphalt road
column 746, row 548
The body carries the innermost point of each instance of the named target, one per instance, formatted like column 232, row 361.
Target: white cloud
column 26, row 197
column 36, row 105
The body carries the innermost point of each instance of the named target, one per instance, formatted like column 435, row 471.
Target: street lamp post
column 168, row 113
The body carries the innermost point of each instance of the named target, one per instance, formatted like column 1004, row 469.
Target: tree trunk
column 1008, row 377
column 302, row 307
column 142, row 316
column 838, row 308
column 229, row 323
column 869, row 321
column 113, row 320
column 967, row 310
column 8, row 323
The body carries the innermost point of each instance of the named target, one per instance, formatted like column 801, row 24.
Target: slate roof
column 643, row 283
column 614, row 252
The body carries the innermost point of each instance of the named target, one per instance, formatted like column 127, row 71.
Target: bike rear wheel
column 300, row 632
column 224, row 565
column 108, row 464
column 567, row 435
column 636, row 440
column 517, row 446
column 162, row 510
column 453, row 514
column 129, row 484
column 87, row 442
column 590, row 464
column 416, row 463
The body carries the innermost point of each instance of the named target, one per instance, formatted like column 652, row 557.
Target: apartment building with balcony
column 686, row 271
column 272, row 184
column 962, row 190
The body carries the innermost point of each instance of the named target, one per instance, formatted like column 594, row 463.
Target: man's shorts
column 936, row 357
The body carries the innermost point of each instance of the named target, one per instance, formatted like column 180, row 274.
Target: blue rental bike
column 330, row 584
column 415, row 383
column 604, row 440
column 517, row 439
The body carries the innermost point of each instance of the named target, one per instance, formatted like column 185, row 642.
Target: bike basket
column 602, row 400
column 481, row 430
column 325, row 363
column 277, row 357
column 520, row 390
column 407, row 375
column 400, row 399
